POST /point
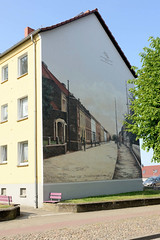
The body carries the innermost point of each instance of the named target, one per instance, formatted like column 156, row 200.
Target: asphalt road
column 130, row 223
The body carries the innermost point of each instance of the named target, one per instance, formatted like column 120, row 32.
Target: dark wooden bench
column 54, row 197
column 5, row 199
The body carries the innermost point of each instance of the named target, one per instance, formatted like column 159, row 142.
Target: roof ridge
column 88, row 12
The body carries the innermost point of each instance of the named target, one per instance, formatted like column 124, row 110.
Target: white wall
column 76, row 52
column 85, row 189
column 82, row 53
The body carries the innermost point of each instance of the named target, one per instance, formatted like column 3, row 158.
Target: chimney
column 27, row 31
column 87, row 11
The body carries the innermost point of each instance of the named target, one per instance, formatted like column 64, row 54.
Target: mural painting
column 85, row 99
column 77, row 147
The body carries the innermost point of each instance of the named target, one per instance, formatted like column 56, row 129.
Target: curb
column 9, row 213
column 97, row 206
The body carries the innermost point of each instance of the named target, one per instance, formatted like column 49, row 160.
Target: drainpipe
column 35, row 122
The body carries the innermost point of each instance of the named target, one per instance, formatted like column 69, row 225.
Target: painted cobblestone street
column 97, row 163
column 94, row 164
column 120, row 224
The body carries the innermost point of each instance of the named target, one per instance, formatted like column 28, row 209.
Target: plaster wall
column 82, row 52
column 13, row 175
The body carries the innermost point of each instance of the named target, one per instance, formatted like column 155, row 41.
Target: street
column 94, row 164
column 129, row 223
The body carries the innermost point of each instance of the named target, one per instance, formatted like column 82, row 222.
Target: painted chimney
column 27, row 31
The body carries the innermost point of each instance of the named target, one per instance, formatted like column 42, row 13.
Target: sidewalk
column 128, row 223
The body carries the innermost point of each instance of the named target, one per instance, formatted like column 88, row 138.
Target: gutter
column 20, row 42
column 35, row 122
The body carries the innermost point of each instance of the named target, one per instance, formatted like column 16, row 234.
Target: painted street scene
column 77, row 148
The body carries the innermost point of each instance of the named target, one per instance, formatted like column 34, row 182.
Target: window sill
column 3, row 163
column 6, row 80
column 23, row 196
column 23, row 75
column 23, row 164
column 22, row 119
column 3, row 121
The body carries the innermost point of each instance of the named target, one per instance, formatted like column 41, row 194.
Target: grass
column 148, row 193
column 4, row 206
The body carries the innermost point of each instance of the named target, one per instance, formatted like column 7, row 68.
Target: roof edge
column 115, row 43
column 20, row 42
column 88, row 12
column 106, row 29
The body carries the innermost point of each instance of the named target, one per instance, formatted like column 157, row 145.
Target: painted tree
column 145, row 118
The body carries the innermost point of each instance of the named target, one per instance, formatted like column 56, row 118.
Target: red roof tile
column 149, row 171
column 54, row 105
column 47, row 74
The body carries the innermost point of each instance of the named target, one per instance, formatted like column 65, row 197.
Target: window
column 4, row 113
column 3, row 191
column 22, row 192
column 23, row 108
column 3, row 155
column 5, row 73
column 23, row 153
column 23, row 65
column 64, row 104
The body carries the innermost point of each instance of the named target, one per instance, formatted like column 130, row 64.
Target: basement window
column 3, row 191
column 23, row 192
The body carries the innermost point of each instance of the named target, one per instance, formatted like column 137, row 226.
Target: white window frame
column 21, row 153
column 20, row 72
column 22, row 113
column 3, row 154
column 23, row 193
column 4, row 78
column 3, row 119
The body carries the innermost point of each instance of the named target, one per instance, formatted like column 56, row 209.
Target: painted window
column 23, row 153
column 3, row 154
column 23, row 108
column 23, row 65
column 5, row 73
column 4, row 113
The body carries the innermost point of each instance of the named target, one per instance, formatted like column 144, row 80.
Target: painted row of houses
column 65, row 119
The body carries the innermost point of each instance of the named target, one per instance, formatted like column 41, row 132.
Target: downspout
column 35, row 122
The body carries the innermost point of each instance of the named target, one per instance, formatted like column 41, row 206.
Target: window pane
column 5, row 73
column 3, row 191
column 23, row 65
column 4, row 153
column 4, row 112
column 25, row 107
column 25, row 152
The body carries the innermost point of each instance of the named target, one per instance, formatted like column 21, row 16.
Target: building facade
column 36, row 116
column 20, row 126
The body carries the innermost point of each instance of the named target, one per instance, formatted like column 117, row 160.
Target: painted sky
column 131, row 22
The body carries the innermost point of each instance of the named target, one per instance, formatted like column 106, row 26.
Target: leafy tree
column 145, row 118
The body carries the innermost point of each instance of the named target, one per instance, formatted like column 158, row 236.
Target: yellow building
column 21, row 173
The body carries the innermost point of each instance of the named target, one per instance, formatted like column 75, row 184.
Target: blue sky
column 131, row 22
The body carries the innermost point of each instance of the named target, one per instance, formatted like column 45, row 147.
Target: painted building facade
column 34, row 113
